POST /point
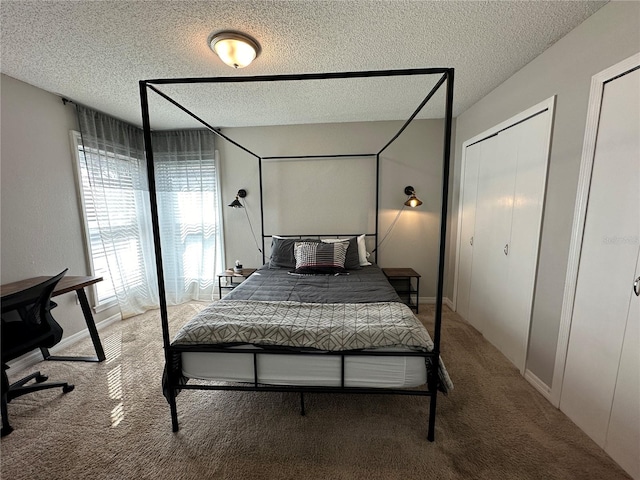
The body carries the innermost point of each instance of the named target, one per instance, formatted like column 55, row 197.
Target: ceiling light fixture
column 234, row 48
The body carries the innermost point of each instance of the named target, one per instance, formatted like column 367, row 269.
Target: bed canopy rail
column 447, row 76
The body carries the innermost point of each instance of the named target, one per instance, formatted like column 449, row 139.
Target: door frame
column 580, row 214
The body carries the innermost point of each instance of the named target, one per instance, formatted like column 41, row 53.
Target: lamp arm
column 253, row 235
column 386, row 234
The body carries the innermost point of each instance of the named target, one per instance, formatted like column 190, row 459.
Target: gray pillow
column 282, row 255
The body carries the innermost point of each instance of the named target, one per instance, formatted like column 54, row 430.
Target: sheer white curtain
column 117, row 208
column 189, row 209
column 118, row 213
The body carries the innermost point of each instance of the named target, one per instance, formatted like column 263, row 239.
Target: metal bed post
column 433, row 380
column 377, row 205
column 166, row 340
column 261, row 209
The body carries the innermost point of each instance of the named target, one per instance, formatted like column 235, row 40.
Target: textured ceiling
column 95, row 52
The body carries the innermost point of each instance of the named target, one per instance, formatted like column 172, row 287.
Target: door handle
column 636, row 287
column 506, row 249
column 471, row 241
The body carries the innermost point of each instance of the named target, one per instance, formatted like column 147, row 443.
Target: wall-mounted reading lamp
column 242, row 193
column 236, row 203
column 412, row 201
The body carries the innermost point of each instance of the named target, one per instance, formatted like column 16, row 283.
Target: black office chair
column 32, row 328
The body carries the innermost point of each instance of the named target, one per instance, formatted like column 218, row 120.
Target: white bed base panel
column 308, row 370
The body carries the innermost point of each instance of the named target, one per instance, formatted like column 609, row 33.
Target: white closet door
column 607, row 261
column 512, row 329
column 623, row 436
column 496, row 181
column 467, row 227
column 505, row 225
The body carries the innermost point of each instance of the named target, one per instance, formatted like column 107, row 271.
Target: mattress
column 306, row 370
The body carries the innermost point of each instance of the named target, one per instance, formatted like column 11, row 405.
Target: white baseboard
column 432, row 300
column 448, row 303
column 539, row 385
column 34, row 357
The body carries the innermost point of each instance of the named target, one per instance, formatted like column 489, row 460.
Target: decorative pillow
column 282, row 251
column 320, row 258
column 352, row 262
column 363, row 255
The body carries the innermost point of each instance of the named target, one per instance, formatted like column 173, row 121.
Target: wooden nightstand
column 229, row 275
column 402, row 279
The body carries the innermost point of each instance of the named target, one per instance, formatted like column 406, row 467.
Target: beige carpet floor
column 116, row 423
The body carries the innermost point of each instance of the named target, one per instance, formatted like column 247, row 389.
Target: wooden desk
column 69, row 283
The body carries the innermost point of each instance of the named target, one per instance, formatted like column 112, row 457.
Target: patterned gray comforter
column 320, row 326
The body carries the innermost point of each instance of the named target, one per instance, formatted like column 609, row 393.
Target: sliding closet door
column 607, row 265
column 496, row 182
column 623, row 435
column 511, row 176
column 512, row 322
column 467, row 227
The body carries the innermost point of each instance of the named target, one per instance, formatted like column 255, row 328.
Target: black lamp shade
column 236, row 203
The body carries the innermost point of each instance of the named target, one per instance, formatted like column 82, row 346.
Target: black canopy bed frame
column 173, row 381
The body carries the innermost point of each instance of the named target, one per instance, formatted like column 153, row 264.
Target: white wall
column 414, row 159
column 565, row 69
column 40, row 223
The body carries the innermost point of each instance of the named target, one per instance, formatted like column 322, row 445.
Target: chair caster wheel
column 41, row 378
column 6, row 431
column 68, row 388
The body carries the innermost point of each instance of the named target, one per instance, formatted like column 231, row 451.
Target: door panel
column 607, row 262
column 470, row 188
column 532, row 153
column 623, row 436
column 496, row 181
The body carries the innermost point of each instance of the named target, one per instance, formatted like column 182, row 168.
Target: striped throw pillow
column 320, row 258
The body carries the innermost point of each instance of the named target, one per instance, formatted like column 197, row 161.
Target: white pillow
column 362, row 252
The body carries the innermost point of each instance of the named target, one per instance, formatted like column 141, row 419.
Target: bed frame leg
column 431, row 435
column 174, row 410
column 302, row 412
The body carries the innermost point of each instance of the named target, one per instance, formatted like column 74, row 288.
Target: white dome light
column 235, row 49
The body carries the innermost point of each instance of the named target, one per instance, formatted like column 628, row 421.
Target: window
column 111, row 209
column 113, row 184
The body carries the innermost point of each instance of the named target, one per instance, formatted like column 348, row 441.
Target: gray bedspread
column 367, row 285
